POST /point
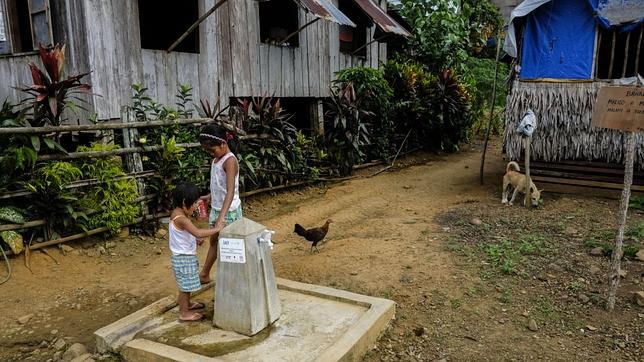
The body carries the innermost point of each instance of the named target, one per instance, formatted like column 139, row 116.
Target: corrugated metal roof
column 380, row 17
column 324, row 9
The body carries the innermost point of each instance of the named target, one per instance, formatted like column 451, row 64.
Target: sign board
column 232, row 251
column 620, row 108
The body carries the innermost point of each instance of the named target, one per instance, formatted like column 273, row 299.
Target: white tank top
column 218, row 184
column 181, row 241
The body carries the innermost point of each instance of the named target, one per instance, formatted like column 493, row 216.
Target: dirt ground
column 465, row 289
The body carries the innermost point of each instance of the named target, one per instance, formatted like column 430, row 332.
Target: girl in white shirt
column 183, row 239
column 224, row 188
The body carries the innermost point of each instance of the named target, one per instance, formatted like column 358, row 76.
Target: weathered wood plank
column 94, row 17
column 209, row 53
column 264, row 69
column 304, row 56
column 252, row 13
column 239, row 48
column 298, row 88
column 314, row 61
column 188, row 73
column 372, row 50
column 148, row 58
column 275, row 70
column 226, row 88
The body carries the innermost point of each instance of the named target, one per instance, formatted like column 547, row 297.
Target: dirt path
column 384, row 242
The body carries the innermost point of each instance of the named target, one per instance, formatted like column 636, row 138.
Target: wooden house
column 564, row 51
column 289, row 48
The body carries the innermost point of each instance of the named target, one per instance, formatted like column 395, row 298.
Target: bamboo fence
column 132, row 162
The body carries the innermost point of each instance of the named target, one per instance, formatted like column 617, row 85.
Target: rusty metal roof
column 381, row 18
column 324, row 9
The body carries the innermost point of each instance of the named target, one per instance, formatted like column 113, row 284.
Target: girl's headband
column 212, row 136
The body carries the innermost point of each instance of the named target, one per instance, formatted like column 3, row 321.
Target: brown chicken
column 314, row 235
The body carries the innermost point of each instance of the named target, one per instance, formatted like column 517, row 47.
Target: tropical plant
column 12, row 238
column 112, row 198
column 51, row 92
column 270, row 138
column 348, row 135
column 167, row 162
column 375, row 95
column 446, row 32
column 451, row 107
column 52, row 199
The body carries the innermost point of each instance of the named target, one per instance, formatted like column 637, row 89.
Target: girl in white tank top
column 224, row 187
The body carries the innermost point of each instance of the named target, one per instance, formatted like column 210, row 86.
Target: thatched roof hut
column 564, row 52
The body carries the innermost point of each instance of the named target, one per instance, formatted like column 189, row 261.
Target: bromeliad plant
column 51, row 92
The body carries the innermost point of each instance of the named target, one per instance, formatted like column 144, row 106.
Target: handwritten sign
column 232, row 251
column 620, row 108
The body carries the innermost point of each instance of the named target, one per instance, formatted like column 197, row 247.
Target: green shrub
column 113, row 196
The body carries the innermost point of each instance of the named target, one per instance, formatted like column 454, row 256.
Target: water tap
column 266, row 237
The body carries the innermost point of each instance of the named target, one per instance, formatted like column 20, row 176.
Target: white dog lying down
column 517, row 180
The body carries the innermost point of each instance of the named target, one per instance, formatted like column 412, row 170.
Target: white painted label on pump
column 232, row 250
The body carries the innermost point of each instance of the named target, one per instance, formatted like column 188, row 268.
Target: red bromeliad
column 51, row 92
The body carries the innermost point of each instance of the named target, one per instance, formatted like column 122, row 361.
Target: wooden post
column 317, row 116
column 528, row 181
column 133, row 162
column 613, row 278
column 489, row 123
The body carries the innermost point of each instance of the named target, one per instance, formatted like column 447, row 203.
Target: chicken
column 314, row 235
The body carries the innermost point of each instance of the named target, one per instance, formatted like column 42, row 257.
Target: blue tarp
column 625, row 15
column 558, row 41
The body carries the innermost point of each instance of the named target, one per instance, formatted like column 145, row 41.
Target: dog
column 517, row 180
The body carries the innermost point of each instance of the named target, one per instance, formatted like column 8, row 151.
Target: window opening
column 277, row 20
column 352, row 39
column 161, row 22
column 618, row 54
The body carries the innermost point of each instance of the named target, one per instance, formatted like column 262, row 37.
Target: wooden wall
column 232, row 60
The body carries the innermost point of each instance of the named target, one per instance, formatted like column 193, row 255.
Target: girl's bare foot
column 190, row 317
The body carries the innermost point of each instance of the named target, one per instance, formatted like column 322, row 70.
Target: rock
column 532, row 325
column 58, row 356
column 158, row 251
column 133, row 302
column 476, row 221
column 101, row 250
column 591, row 328
column 598, row 251
column 623, row 273
column 161, row 233
column 54, row 332
column 91, row 253
column 525, row 313
column 583, row 298
column 570, row 231
column 419, row 331
column 43, row 344
column 86, row 357
column 640, row 255
column 639, row 298
column 124, row 233
column 110, row 245
column 594, row 270
column 66, row 248
column 59, row 344
column 25, row 318
column 74, row 351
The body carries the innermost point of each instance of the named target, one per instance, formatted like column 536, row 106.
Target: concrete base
column 317, row 324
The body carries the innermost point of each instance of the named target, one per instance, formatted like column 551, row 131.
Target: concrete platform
column 317, row 324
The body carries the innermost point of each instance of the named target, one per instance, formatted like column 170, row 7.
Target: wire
column 8, row 266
